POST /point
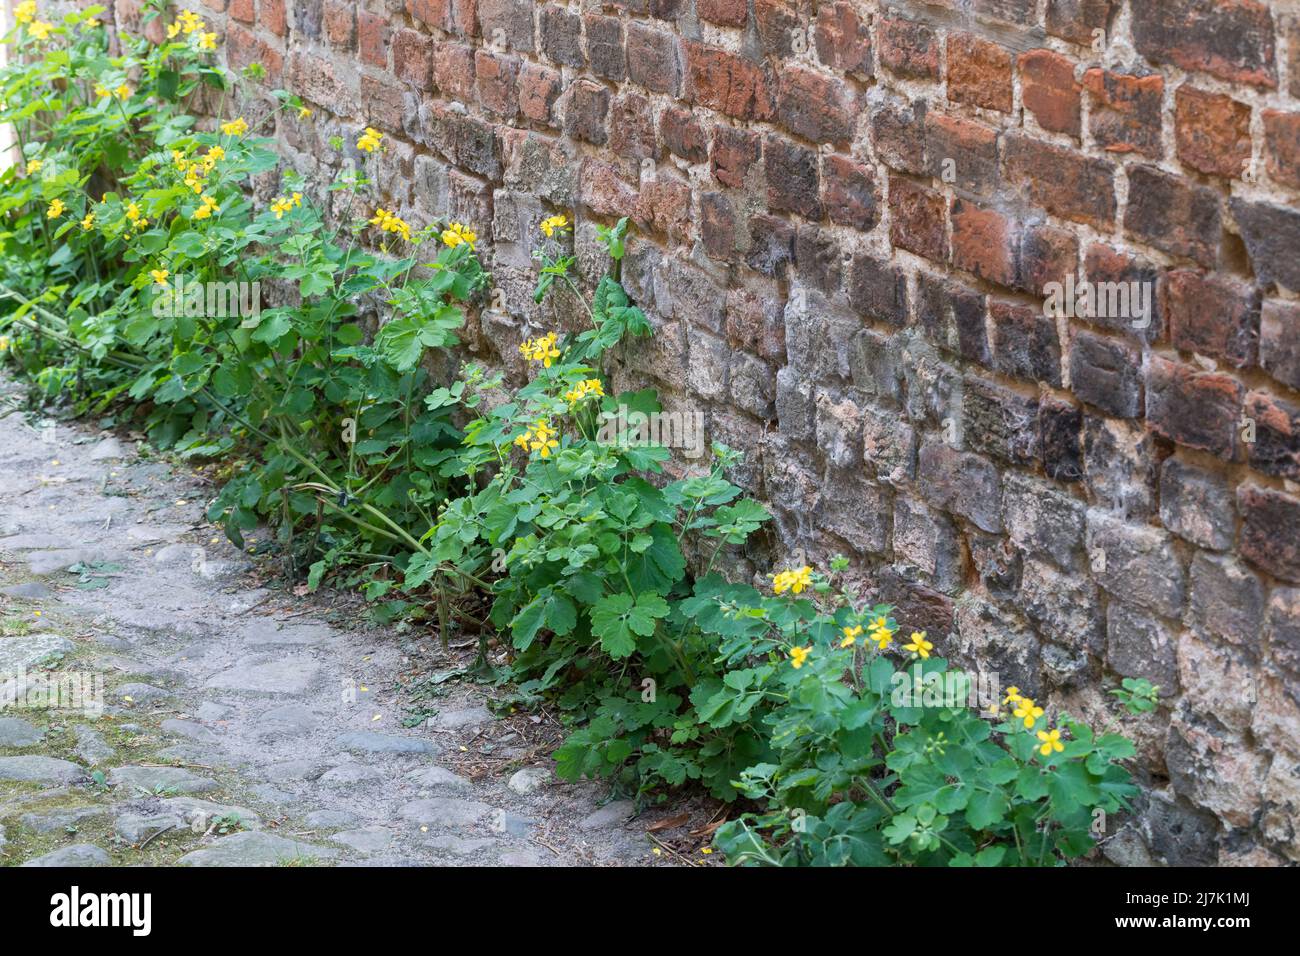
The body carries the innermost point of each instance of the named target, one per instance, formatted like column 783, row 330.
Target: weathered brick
column 561, row 35
column 496, row 79
column 1226, row 600
column 849, row 192
column 603, row 191
column 792, row 177
column 1047, row 255
column 539, row 88
column 1060, row 433
column 1025, row 342
column 244, row 47
column 683, row 135
column 952, row 316
column 340, row 24
column 605, row 47
column 1110, row 269
column 1107, row 373
column 979, row 73
column 1213, row 132
column 963, row 483
column 1271, row 234
column 271, row 15
column 664, row 206
column 1043, row 520
column 756, row 323
column 877, row 290
column 1173, row 214
column 1050, row 91
column 962, row 152
column 1077, row 20
column 505, row 23
column 1135, row 563
column 652, row 59
column 735, row 151
column 722, row 81
column 1063, row 606
column 717, row 225
column 433, row 13
column 843, row 38
column 727, row 13
column 816, row 106
column 413, row 58
column 315, row 80
column 1119, row 465
column 453, row 70
column 780, row 27
column 1270, row 530
column 1211, row 315
column 1282, row 146
column 1282, row 627
column 1196, row 504
column 984, row 242
column 999, row 421
column 908, row 48
column 632, row 127
column 771, row 244
column 372, row 38
column 1194, row 408
column 1126, row 111
column 1279, row 341
column 898, row 134
column 888, row 442
column 245, row 11
column 917, row 219
column 927, row 542
column 586, row 112
column 1276, row 423
column 1062, row 182
column 817, row 259
column 1232, row 40
column 1216, row 680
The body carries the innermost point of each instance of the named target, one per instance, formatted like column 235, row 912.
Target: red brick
column 898, row 134
column 602, row 190
column 917, row 219
column 683, row 135
column 1126, row 111
column 1102, row 264
column 1276, row 448
column 1213, row 132
column 1211, row 315
column 1050, row 91
column 244, row 47
column 372, row 38
column 632, row 127
column 792, row 177
column 314, row 79
column 1025, row 342
column 539, row 87
column 605, row 47
column 849, row 192
column 717, row 225
column 664, row 206
column 877, row 290
column 496, row 80
column 908, row 48
column 972, row 148
column 340, row 24
column 586, row 112
column 1279, row 341
column 382, row 100
column 842, row 38
column 734, row 153
column 1231, row 39
column 1047, row 254
column 1282, row 145
column 1194, row 408
column 413, row 58
column 453, row 70
column 270, row 14
column 652, row 59
column 727, row 13
column 1270, row 530
column 756, row 323
column 723, row 81
column 1293, row 57
column 245, row 11
column 979, row 73
column 983, row 242
column 816, row 106
column 781, row 29
column 1076, row 20
column 1063, row 182
column 1173, row 214
column 433, row 13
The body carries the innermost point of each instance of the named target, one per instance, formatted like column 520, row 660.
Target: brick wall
column 849, row 216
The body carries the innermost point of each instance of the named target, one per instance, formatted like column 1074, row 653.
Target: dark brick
column 963, row 483
column 1060, row 429
column 771, row 244
column 984, row 242
column 1019, row 12
column 632, row 127
column 734, row 153
column 683, row 135
column 898, row 133
column 1047, row 254
column 1062, row 182
column 1231, row 39
column 842, row 38
column 1104, row 265
column 1213, row 132
column 1050, row 91
column 723, row 81
column 586, row 112
column 849, row 192
column 605, row 47
column 1076, row 20
column 413, row 58
column 1196, row 504
column 815, row 106
column 1126, row 111
column 1106, row 373
column 1193, row 408
column 963, row 152
column 1272, row 235
column 1025, row 342
column 908, row 48
column 792, row 180
column 433, row 13
column 817, row 259
column 1276, row 448
column 1279, row 341
column 877, row 290
column 999, row 422
column 1173, row 214
column 1282, row 144
column 756, row 323
column 917, row 219
column 505, row 23
column 727, row 13
column 652, row 59
column 561, row 33
column 717, row 225
column 1270, row 530
column 779, row 23
column 383, row 102
column 1211, row 315
column 952, row 316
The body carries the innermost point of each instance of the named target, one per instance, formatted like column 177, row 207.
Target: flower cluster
column 122, row 91
column 456, row 234
column 56, row 209
column 282, row 204
column 370, row 140
column 1023, row 708
column 196, row 171
column 138, row 221
column 187, row 22
column 799, row 655
column 540, row 438
column 388, row 222
column 554, row 224
column 541, row 349
column 794, row 581
column 159, row 276
column 236, row 127
column 206, row 208
column 588, row 388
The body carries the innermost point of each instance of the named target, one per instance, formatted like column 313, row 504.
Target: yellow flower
column 25, row 12
column 798, row 655
column 455, row 234
column 101, row 90
column 851, row 635
column 90, row 23
column 303, row 112
column 369, row 140
column 1028, row 711
column 214, row 155
column 280, row 206
column 236, row 127
column 55, row 210
column 172, row 30
column 133, row 212
column 382, row 218
column 296, row 198
column 554, row 224
column 883, row 637
column 178, row 159
column 795, row 580
column 541, row 349
column 1051, row 742
column 4, row 343
column 190, row 21
column 588, row 388
column 33, row 165
column 1013, row 695
column 88, row 223
column 207, row 41
column 122, row 92
column 40, row 29
column 540, row 438
column 919, row 645
column 207, row 209
column 159, row 276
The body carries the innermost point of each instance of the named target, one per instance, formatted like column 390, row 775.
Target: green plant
column 1137, row 695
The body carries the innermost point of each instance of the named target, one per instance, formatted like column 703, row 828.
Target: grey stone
column 79, row 854
column 1000, row 641
column 1283, row 628
column 15, row 732
column 529, row 779
column 107, row 449
column 1196, row 504
column 438, row 778
column 28, row 590
column 189, row 729
column 210, row 712
column 857, row 513
column 139, row 822
column 140, row 693
column 365, row 840
column 1119, row 465
column 794, row 404
column 291, row 674
column 288, row 720
column 1043, row 520
column 520, row 858
column 1138, row 645
column 1136, row 563
column 268, row 632
column 91, row 747
column 18, row 653
column 287, row 771
column 514, row 825
column 445, row 811
column 1064, row 606
column 365, row 741
column 460, row 719
column 456, row 845
column 154, row 779
column 38, row 769
column 256, row 848
column 53, row 820
column 350, row 774
column 1180, row 835
column 1226, row 600
column 927, row 541
column 963, row 483
column 610, row 815
column 327, row 819
column 888, row 446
